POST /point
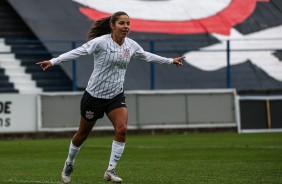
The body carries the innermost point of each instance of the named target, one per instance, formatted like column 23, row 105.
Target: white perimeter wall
column 18, row 113
column 147, row 110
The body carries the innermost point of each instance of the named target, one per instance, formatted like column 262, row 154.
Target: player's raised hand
column 178, row 61
column 44, row 65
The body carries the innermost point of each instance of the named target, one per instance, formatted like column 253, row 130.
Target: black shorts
column 92, row 108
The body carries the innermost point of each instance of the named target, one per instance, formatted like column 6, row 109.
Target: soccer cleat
column 66, row 174
column 111, row 175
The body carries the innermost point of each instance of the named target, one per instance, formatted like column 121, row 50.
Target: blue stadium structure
column 227, row 43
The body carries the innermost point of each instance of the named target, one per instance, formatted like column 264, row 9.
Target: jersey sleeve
column 91, row 46
column 87, row 48
column 71, row 55
column 150, row 57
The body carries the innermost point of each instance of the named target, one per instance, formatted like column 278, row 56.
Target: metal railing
column 173, row 48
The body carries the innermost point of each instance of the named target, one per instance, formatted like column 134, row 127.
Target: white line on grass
column 181, row 147
column 30, row 181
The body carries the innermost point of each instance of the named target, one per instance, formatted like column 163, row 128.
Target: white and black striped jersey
column 110, row 63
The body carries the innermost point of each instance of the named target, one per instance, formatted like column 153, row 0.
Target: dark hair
column 102, row 26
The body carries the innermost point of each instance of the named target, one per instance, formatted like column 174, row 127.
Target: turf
column 150, row 159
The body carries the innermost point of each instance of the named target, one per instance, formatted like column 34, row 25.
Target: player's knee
column 121, row 131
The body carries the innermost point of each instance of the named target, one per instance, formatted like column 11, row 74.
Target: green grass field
column 150, row 159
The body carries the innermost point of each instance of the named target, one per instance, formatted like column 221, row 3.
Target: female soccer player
column 112, row 51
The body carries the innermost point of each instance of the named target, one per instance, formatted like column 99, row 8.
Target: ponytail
column 102, row 26
column 99, row 28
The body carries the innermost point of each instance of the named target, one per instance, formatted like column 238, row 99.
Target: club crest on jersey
column 127, row 53
column 89, row 114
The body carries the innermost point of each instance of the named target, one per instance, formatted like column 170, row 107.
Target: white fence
column 147, row 110
column 18, row 113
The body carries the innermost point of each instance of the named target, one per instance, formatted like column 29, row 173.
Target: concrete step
column 7, row 57
column 10, row 64
column 4, row 48
column 14, row 71
column 20, row 78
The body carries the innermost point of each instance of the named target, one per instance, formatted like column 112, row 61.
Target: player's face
column 121, row 27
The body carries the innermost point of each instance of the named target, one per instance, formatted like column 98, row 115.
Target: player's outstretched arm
column 45, row 65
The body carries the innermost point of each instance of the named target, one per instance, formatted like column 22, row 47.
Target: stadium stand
column 19, row 50
column 6, row 86
column 254, row 27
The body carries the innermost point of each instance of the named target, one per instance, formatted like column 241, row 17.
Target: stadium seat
column 20, row 51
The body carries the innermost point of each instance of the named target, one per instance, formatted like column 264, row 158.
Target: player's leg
column 90, row 112
column 81, row 135
column 118, row 117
